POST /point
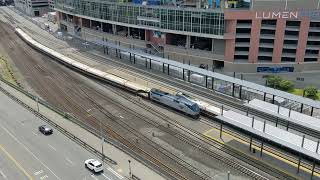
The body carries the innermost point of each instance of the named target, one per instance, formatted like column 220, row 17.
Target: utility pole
column 102, row 140
column 130, row 174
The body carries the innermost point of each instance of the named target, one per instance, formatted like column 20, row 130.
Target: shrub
column 286, row 85
column 274, row 81
column 311, row 92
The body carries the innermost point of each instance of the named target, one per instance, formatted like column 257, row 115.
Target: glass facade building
column 204, row 21
column 236, row 35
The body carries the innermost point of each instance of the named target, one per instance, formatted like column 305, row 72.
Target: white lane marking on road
column 25, row 147
column 115, row 173
column 69, row 161
column 35, row 133
column 38, row 172
column 44, row 177
column 94, row 177
column 106, row 176
column 22, row 123
column 3, row 175
column 52, row 147
column 121, row 117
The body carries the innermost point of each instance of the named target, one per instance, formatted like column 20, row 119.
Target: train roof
column 175, row 97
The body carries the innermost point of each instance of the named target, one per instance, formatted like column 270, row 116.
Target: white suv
column 93, row 165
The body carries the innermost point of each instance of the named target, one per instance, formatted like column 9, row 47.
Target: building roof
column 282, row 4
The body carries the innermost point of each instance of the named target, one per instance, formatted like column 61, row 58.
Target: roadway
column 27, row 154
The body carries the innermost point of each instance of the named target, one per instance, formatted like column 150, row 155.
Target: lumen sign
column 277, row 15
column 312, row 14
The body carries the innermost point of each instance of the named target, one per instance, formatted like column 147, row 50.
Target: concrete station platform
column 268, row 156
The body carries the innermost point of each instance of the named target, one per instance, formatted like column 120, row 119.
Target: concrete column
column 146, row 35
column 114, row 28
column 101, row 26
column 278, row 42
column 254, row 41
column 129, row 32
column 230, row 45
column 303, row 38
column 188, row 41
column 164, row 39
column 80, row 22
column 212, row 46
column 90, row 22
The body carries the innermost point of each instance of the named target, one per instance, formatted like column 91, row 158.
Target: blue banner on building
column 275, row 69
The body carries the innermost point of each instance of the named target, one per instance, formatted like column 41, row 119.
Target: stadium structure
column 233, row 35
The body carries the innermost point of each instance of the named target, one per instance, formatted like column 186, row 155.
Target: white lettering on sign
column 277, row 15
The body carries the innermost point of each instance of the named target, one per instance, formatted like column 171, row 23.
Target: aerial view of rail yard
column 159, row 89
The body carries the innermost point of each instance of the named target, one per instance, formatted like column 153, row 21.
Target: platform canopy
column 226, row 78
column 273, row 134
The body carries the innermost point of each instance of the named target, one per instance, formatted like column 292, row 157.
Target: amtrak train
column 177, row 102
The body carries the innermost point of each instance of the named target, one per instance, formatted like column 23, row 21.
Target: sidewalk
column 138, row 170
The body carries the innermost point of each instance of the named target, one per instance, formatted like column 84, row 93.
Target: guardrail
column 65, row 115
column 74, row 138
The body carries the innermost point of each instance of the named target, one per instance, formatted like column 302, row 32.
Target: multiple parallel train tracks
column 198, row 140
column 188, row 136
column 61, row 87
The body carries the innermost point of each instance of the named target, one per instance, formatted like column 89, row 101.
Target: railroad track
column 227, row 101
column 141, row 137
column 203, row 92
column 196, row 136
column 61, row 88
column 224, row 160
column 251, row 113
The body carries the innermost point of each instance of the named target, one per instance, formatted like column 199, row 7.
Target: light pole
column 130, row 174
column 35, row 114
column 37, row 100
column 102, row 139
column 101, row 134
column 286, row 5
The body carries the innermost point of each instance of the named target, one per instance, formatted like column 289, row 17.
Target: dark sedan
column 45, row 130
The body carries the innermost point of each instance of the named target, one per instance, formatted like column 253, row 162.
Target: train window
column 195, row 107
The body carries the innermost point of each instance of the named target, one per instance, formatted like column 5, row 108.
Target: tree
column 311, row 92
column 286, row 85
column 274, row 81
